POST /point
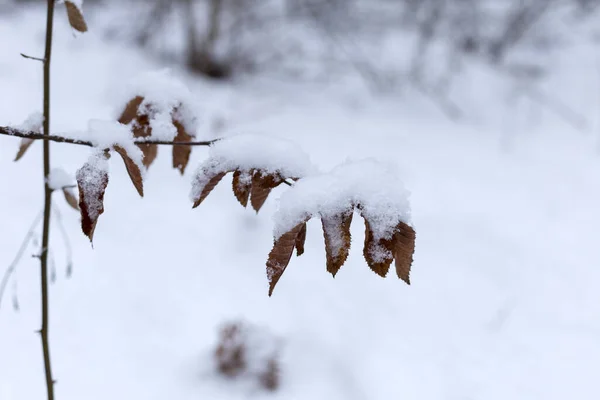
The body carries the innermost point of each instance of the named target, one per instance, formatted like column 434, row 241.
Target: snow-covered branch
column 5, row 130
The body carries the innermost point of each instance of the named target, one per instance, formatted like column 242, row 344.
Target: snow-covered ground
column 504, row 296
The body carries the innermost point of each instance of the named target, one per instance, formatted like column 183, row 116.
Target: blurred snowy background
column 489, row 108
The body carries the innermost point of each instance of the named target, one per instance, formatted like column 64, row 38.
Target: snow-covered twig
column 5, row 130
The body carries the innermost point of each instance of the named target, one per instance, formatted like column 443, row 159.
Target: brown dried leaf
column 23, row 147
column 92, row 183
column 262, row 184
column 336, row 231
column 150, row 151
column 214, row 180
column 131, row 110
column 242, row 184
column 181, row 154
column 75, row 17
column 70, row 198
column 280, row 256
column 132, row 169
column 300, row 240
column 404, row 249
column 378, row 254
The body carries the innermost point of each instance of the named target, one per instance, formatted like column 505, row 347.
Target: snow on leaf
column 204, row 183
column 280, row 255
column 242, row 184
column 75, row 15
column 133, row 169
column 92, row 180
column 367, row 186
column 336, row 230
column 160, row 98
column 58, row 179
column 260, row 163
column 33, row 123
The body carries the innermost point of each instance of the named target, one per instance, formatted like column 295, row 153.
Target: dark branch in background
column 5, row 130
column 66, row 241
column 44, row 334
column 13, row 266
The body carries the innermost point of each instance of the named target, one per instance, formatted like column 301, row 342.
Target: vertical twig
column 47, row 205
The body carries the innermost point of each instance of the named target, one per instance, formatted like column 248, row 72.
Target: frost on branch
column 160, row 107
column 33, row 123
column 369, row 187
column 111, row 134
column 92, row 180
column 259, row 164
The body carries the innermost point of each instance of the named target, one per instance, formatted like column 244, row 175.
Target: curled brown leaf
column 181, row 154
column 301, row 240
column 262, row 184
column 378, row 253
column 336, row 230
column 404, row 250
column 23, row 147
column 208, row 187
column 70, row 198
column 132, row 169
column 280, row 256
column 242, row 184
column 92, row 182
column 75, row 17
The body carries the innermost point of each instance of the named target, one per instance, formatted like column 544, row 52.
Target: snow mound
column 372, row 186
column 107, row 134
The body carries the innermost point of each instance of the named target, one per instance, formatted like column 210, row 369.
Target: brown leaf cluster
column 75, row 17
column 252, row 186
column 138, row 117
column 379, row 253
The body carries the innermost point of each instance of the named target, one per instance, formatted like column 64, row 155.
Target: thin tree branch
column 13, row 265
column 8, row 131
column 44, row 334
column 32, row 58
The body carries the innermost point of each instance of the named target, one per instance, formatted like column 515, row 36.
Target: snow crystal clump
column 33, row 123
column 165, row 98
column 263, row 152
column 372, row 186
column 59, row 178
column 106, row 134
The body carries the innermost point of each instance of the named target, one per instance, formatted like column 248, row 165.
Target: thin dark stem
column 13, row 266
column 5, row 130
column 32, row 58
column 44, row 331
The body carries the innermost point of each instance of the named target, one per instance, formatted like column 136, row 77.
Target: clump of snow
column 33, row 123
column 59, row 179
column 269, row 154
column 91, row 179
column 106, row 134
column 165, row 98
column 372, row 186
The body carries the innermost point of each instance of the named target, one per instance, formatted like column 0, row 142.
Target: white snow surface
column 373, row 186
column 59, row 178
column 503, row 302
column 165, row 97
